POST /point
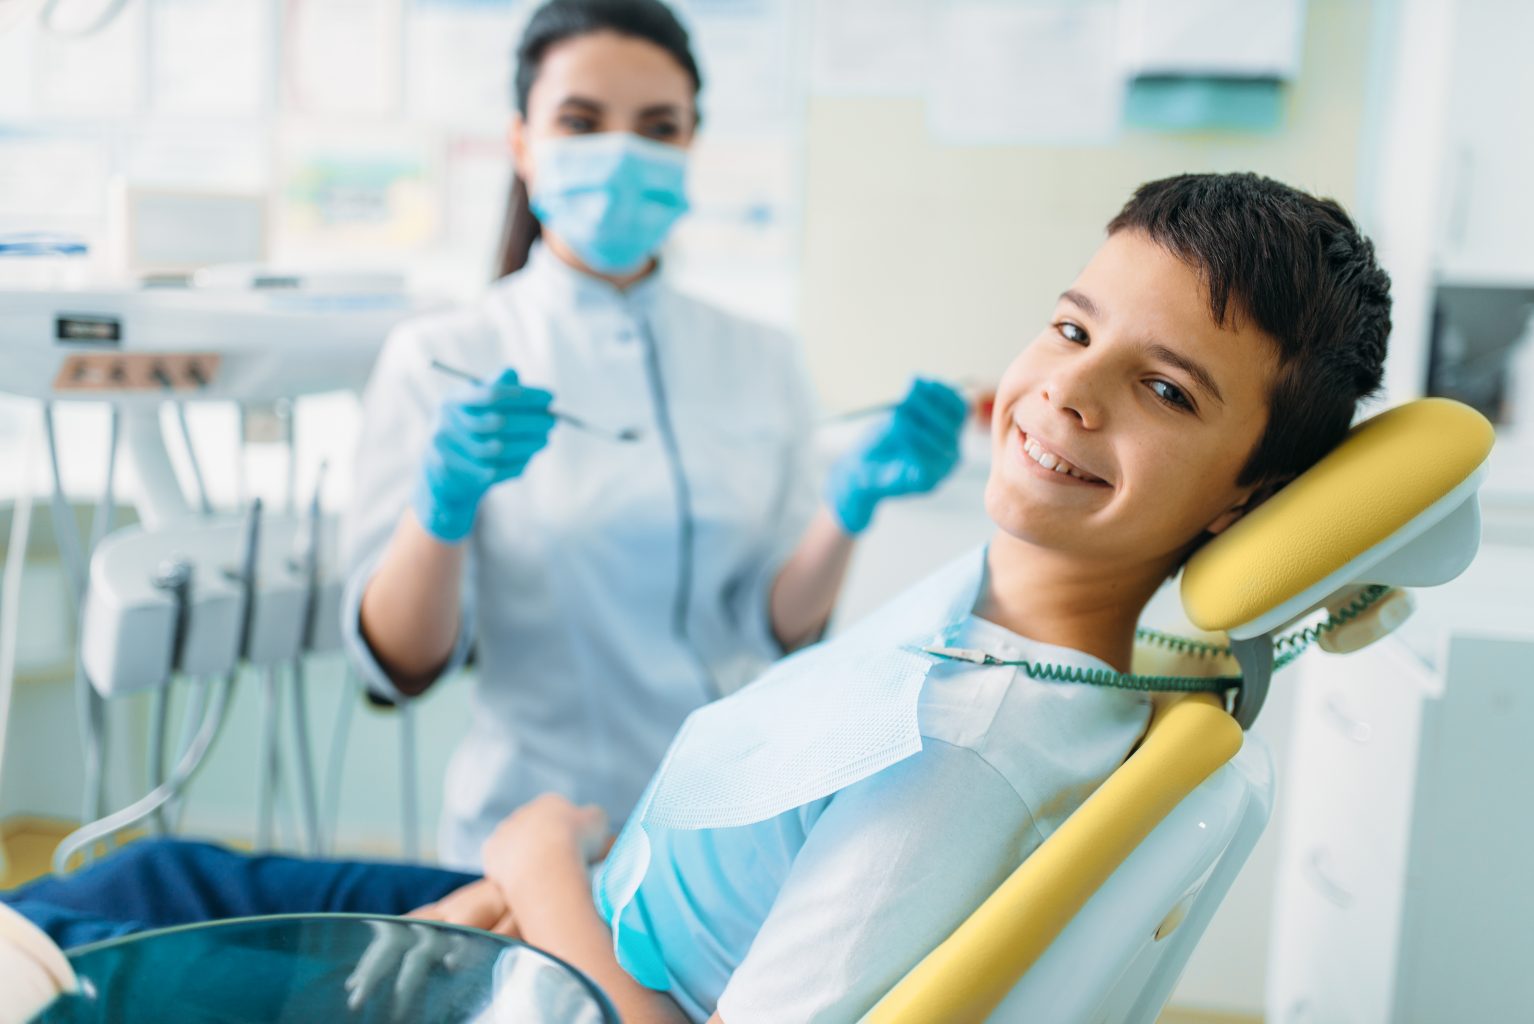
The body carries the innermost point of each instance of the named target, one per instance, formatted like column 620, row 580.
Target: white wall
column 920, row 256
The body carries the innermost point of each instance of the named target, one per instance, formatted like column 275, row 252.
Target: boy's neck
column 1060, row 599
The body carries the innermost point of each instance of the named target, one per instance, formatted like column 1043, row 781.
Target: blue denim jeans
column 157, row 883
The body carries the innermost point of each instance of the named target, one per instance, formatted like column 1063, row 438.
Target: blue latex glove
column 484, row 435
column 910, row 453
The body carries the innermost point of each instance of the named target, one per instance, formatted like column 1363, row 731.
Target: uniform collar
column 554, row 277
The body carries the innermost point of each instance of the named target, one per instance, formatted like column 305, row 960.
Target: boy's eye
column 1071, row 332
column 577, row 124
column 1171, row 394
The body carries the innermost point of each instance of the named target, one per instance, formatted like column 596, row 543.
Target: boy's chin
column 1018, row 517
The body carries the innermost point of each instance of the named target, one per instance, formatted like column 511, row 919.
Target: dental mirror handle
column 969, row 389
column 626, row 434
column 857, row 414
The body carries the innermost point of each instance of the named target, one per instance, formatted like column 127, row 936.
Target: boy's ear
column 1254, row 497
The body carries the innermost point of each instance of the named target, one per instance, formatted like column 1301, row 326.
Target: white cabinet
column 1488, row 223
column 1404, row 888
column 1448, row 158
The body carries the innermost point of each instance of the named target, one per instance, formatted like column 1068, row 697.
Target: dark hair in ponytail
column 554, row 22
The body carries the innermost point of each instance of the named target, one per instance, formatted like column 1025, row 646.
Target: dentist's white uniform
column 613, row 587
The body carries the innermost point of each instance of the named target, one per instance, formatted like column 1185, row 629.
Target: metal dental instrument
column 857, row 414
column 90, row 707
column 268, row 766
column 307, row 562
column 335, row 761
column 165, row 380
column 969, row 389
column 626, row 434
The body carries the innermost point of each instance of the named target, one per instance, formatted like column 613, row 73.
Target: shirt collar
column 569, row 286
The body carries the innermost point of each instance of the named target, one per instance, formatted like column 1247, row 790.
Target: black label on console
column 94, row 330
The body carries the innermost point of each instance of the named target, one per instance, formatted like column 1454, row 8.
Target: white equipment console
column 143, row 345
column 190, row 592
column 137, row 631
column 136, row 348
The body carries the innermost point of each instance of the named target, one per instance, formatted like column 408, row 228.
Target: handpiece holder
column 1394, row 505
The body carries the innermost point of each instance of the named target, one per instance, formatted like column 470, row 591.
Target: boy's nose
column 1071, row 391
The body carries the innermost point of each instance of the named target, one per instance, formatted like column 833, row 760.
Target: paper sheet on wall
column 97, row 75
column 210, row 56
column 748, row 61
column 871, row 48
column 739, row 244
column 1041, row 72
column 18, row 45
column 359, row 198
column 476, row 180
column 1212, row 37
column 342, row 56
column 46, row 179
column 459, row 54
column 226, row 155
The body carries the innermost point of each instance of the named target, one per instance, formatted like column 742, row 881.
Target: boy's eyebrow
column 1082, row 303
column 581, row 101
column 661, row 109
column 1200, row 375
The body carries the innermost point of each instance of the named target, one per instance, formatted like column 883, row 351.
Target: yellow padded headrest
column 1386, row 472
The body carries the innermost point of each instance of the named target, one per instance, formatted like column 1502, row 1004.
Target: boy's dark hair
column 1296, row 267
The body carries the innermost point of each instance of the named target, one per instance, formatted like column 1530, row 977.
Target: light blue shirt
column 810, row 909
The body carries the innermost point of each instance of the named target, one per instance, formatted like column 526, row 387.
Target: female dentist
column 607, row 587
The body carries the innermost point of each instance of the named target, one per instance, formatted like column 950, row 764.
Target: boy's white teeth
column 1049, row 460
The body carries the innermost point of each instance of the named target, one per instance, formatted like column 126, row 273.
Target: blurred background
column 907, row 185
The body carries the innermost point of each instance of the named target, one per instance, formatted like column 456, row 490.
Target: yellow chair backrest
column 1368, row 512
column 969, row 974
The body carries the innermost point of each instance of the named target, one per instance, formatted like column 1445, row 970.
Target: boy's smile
column 1120, row 431
column 1052, row 460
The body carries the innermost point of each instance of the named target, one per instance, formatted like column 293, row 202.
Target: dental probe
column 970, row 392
column 626, row 434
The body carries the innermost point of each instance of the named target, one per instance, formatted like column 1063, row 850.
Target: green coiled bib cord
column 1286, row 649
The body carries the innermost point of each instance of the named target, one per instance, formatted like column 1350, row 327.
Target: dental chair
column 1099, row 922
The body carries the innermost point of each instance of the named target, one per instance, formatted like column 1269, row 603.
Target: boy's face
column 1153, row 407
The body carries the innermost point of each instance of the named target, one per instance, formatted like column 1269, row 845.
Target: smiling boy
column 806, row 841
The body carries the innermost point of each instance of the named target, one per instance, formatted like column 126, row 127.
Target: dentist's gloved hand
column 911, row 453
column 484, row 435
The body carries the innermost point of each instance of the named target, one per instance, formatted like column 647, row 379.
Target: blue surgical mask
column 612, row 196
